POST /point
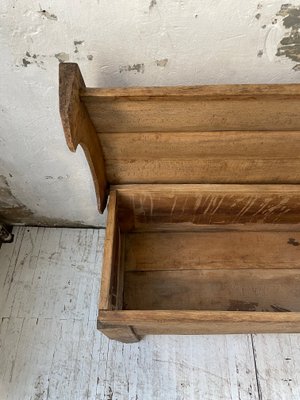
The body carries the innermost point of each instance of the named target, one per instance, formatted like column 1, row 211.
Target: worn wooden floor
column 50, row 349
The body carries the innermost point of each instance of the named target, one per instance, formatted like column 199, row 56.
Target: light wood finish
column 202, row 157
column 123, row 334
column 213, row 108
column 223, row 290
column 147, row 205
column 207, row 91
column 203, row 322
column 211, row 250
column 109, row 282
column 78, row 127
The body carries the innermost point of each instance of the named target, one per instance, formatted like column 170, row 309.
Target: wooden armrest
column 79, row 128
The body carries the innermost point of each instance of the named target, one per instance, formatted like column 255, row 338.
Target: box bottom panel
column 224, row 290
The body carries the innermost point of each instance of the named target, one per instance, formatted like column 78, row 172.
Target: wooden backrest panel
column 241, row 109
column 202, row 157
column 204, row 134
column 228, row 134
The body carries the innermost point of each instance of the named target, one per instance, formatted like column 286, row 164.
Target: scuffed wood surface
column 207, row 204
column 50, row 348
column 79, row 129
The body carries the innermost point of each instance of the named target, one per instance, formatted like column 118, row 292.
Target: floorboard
column 50, row 348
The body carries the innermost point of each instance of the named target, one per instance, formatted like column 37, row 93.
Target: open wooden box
column 203, row 231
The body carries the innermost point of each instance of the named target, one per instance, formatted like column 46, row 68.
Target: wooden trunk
column 203, row 229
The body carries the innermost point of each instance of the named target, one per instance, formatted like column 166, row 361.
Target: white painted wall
column 136, row 42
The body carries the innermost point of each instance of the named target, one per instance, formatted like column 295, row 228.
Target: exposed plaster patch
column 62, row 57
column 290, row 45
column 76, row 44
column 32, row 59
column 47, row 15
column 60, row 178
column 135, row 67
column 162, row 63
column 25, row 62
column 152, row 4
column 260, row 53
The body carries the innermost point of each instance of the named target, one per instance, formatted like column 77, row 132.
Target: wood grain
column 189, row 322
column 194, row 205
column 210, row 250
column 109, row 280
column 79, row 129
column 207, row 91
column 223, row 290
column 202, row 157
column 177, row 114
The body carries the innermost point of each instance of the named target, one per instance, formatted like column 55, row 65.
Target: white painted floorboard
column 50, row 348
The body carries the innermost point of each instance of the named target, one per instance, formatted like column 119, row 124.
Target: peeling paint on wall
column 32, row 59
column 152, row 4
column 290, row 44
column 162, row 63
column 77, row 43
column 48, row 15
column 135, row 68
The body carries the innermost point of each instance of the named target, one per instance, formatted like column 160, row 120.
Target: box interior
column 169, row 257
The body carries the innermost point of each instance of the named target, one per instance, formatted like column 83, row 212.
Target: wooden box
column 203, row 231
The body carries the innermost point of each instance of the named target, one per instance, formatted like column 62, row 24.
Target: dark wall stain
column 290, row 45
column 296, row 67
column 260, row 53
column 76, row 44
column 90, row 57
column 135, row 67
column 25, row 62
column 257, row 16
column 12, row 211
column 152, row 4
column 47, row 15
column 32, row 59
column 162, row 63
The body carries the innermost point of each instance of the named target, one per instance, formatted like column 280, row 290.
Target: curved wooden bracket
column 79, row 128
